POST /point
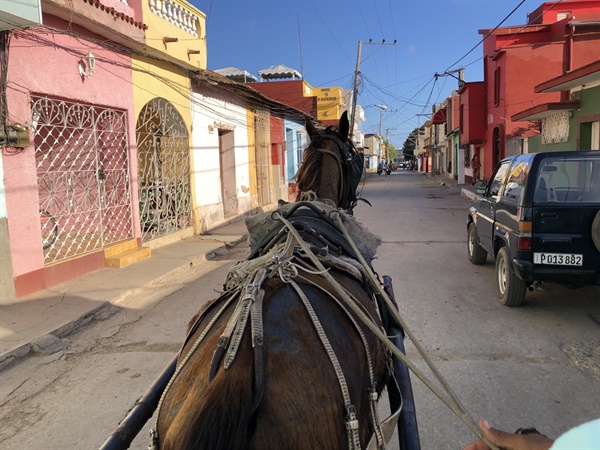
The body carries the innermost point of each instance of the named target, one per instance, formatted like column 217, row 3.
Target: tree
column 408, row 149
column 390, row 150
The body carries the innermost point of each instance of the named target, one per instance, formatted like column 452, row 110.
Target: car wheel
column 596, row 231
column 477, row 254
column 511, row 289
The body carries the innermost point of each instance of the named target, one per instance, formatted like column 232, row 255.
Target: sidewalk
column 36, row 322
column 465, row 189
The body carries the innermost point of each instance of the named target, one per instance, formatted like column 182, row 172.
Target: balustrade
column 175, row 13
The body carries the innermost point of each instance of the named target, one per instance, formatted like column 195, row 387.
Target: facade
column 572, row 124
column 220, row 156
column 74, row 163
column 472, row 126
column 373, row 152
column 296, row 140
column 163, row 187
column 559, row 37
column 439, row 145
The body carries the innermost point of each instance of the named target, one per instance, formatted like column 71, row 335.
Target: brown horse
column 278, row 362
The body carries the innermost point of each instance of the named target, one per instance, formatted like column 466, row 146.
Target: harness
column 304, row 228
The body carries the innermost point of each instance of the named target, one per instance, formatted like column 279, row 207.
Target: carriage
column 299, row 347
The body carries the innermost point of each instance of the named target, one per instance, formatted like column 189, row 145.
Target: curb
column 47, row 343
column 13, row 356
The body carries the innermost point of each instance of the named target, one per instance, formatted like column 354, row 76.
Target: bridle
column 350, row 162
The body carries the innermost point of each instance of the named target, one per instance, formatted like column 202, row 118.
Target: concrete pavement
column 36, row 322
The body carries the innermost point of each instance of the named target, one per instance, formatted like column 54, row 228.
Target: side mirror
column 480, row 187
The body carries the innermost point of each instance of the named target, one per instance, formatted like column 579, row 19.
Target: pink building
column 75, row 98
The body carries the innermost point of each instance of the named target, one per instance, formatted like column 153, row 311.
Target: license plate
column 558, row 259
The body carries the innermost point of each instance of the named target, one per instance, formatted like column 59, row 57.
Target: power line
column 488, row 35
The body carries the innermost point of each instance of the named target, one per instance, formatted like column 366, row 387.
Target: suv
column 539, row 216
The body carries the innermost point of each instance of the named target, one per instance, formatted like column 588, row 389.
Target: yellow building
column 175, row 44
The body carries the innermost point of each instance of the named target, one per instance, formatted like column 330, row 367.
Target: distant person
column 584, row 437
column 476, row 165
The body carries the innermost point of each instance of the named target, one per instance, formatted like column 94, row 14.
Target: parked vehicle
column 539, row 216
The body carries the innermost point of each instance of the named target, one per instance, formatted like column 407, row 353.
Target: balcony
column 176, row 31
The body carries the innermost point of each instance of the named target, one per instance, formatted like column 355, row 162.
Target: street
column 537, row 365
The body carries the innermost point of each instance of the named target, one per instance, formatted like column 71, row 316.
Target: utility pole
column 355, row 91
column 356, row 74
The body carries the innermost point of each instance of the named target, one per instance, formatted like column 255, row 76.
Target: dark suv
column 539, row 216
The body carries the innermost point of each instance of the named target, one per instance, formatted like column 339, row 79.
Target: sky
column 320, row 39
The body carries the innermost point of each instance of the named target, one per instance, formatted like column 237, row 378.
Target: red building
column 289, row 92
column 471, row 124
column 559, row 36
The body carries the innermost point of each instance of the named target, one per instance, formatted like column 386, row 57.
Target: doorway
column 227, row 172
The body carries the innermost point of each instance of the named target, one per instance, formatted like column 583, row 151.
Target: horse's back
column 290, row 398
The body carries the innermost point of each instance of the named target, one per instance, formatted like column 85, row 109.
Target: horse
column 278, row 361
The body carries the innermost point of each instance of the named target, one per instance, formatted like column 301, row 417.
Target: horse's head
column 331, row 167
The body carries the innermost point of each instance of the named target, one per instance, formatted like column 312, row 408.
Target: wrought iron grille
column 163, row 170
column 83, row 177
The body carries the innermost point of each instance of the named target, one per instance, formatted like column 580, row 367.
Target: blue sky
column 319, row 38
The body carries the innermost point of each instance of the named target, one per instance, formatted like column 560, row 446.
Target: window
column 497, row 87
column 498, row 179
column 514, row 187
column 569, row 180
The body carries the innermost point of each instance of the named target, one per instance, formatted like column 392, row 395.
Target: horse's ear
column 310, row 128
column 344, row 126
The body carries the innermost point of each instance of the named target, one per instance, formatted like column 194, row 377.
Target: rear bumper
column 526, row 271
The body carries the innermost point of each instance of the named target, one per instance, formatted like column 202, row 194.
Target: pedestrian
column 476, row 166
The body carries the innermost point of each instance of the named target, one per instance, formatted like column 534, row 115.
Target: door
column 487, row 207
column 82, row 159
column 163, row 170
column 227, row 172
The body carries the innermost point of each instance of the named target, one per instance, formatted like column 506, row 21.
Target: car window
column 497, row 180
column 513, row 191
column 568, row 180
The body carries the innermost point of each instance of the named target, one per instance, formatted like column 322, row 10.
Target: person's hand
column 509, row 441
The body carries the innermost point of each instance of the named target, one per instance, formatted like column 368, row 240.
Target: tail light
column 524, row 240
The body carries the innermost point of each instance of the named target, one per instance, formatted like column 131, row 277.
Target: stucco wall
column 590, row 106
column 51, row 68
column 208, row 115
column 159, row 28
column 7, row 291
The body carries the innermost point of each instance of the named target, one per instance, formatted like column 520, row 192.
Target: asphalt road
column 537, row 365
